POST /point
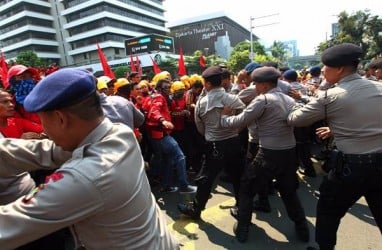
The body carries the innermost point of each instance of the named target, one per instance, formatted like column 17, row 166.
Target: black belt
column 375, row 158
column 223, row 141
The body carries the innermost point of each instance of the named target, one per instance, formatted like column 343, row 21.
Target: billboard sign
column 149, row 43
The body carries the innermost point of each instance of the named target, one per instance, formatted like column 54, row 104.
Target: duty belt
column 375, row 158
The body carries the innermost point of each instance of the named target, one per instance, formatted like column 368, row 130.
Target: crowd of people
column 82, row 154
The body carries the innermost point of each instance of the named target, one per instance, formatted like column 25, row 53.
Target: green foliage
column 121, row 71
column 239, row 57
column 360, row 28
column 279, row 52
column 169, row 64
column 30, row 59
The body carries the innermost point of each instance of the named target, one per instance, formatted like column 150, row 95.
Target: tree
column 30, row 59
column 360, row 28
column 121, row 71
column 279, row 52
column 239, row 57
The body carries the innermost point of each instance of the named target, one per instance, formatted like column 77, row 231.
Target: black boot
column 321, row 248
column 241, row 232
column 310, row 172
column 302, row 230
column 262, row 205
column 190, row 210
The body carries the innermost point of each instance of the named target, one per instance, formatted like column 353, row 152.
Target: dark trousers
column 194, row 146
column 252, row 149
column 339, row 192
column 228, row 155
column 302, row 135
column 268, row 164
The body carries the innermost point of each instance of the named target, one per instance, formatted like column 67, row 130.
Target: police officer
column 100, row 188
column 276, row 157
column 223, row 148
column 302, row 134
column 357, row 129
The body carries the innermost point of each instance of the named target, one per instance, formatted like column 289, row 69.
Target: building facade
column 291, row 48
column 66, row 31
column 28, row 25
column 214, row 33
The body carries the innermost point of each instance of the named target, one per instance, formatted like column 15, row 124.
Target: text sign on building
column 148, row 44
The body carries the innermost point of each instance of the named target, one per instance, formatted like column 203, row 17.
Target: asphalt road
column 269, row 230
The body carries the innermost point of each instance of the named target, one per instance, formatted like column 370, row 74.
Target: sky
column 308, row 22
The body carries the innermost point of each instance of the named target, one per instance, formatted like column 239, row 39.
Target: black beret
column 212, row 71
column 290, row 75
column 265, row 74
column 342, row 55
column 60, row 89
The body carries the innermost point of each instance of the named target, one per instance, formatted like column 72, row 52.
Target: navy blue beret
column 344, row 54
column 251, row 67
column 212, row 71
column 315, row 70
column 60, row 89
column 290, row 75
column 265, row 74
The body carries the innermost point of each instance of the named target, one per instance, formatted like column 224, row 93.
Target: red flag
column 202, row 61
column 132, row 64
column 155, row 66
column 105, row 66
column 4, row 70
column 181, row 65
column 139, row 68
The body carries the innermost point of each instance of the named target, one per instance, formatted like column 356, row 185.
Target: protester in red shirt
column 179, row 114
column 16, row 127
column 194, row 140
column 22, row 80
column 159, row 126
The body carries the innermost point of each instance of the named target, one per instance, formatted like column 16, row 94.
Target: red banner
column 155, row 66
column 202, row 61
column 132, row 64
column 182, row 67
column 4, row 70
column 105, row 66
column 139, row 68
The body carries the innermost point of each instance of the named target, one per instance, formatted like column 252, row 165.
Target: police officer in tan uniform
column 276, row 156
column 99, row 189
column 223, row 149
column 352, row 112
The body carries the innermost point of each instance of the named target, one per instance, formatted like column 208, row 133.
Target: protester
column 159, row 126
column 105, row 85
column 21, row 81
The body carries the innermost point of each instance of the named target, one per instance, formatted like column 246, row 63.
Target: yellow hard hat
column 177, row 85
column 143, row 83
column 186, row 81
column 120, row 82
column 102, row 82
column 196, row 78
column 161, row 75
column 152, row 84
